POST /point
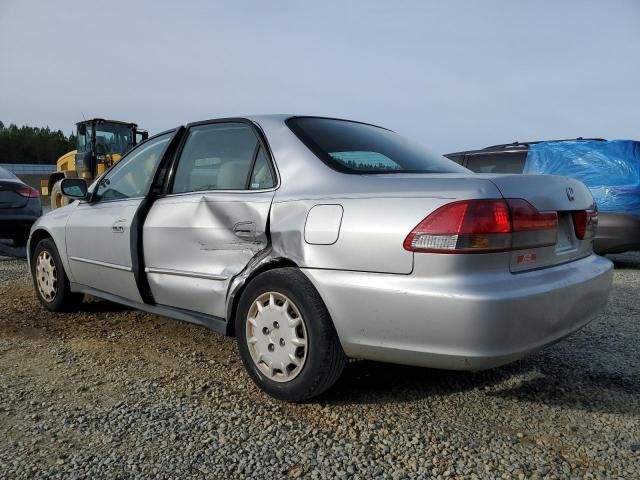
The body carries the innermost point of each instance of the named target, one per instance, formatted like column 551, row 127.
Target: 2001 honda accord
column 316, row 239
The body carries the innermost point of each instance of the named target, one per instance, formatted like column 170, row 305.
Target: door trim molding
column 182, row 273
column 102, row 264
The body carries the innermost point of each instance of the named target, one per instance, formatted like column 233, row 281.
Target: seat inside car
column 232, row 175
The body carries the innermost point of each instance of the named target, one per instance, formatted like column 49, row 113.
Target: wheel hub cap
column 46, row 276
column 276, row 336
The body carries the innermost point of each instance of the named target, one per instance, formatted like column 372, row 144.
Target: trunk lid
column 9, row 197
column 549, row 193
column 545, row 192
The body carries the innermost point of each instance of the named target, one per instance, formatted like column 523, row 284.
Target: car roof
column 282, row 117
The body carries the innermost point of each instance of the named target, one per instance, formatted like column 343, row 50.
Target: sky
column 452, row 75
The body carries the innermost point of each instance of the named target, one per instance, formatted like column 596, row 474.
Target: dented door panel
column 195, row 243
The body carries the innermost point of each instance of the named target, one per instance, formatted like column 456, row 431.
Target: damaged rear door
column 212, row 220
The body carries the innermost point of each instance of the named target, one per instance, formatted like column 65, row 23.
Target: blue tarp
column 611, row 169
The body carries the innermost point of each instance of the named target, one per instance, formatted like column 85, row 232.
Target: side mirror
column 75, row 188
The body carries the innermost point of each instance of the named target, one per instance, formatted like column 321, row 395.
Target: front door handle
column 245, row 229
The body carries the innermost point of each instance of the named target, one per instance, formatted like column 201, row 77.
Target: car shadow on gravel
column 366, row 382
column 599, row 393
column 625, row 261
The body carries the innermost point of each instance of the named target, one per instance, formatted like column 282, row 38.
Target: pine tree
column 33, row 144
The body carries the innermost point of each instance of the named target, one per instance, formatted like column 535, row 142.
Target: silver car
column 313, row 240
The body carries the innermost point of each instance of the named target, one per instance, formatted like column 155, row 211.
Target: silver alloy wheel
column 46, row 276
column 276, row 335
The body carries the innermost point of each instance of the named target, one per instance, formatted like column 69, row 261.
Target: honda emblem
column 570, row 194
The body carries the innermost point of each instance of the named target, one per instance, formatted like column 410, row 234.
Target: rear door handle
column 245, row 229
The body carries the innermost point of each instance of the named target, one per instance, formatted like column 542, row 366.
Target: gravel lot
column 113, row 393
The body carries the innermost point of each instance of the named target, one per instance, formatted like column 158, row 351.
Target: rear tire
column 286, row 338
column 50, row 280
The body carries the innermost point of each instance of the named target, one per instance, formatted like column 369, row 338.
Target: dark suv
column 611, row 170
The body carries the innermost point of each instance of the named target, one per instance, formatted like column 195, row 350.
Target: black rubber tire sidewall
column 64, row 298
column 325, row 357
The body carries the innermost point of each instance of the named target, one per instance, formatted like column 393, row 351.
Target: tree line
column 33, row 144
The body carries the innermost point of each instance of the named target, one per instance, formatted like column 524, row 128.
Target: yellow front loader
column 101, row 143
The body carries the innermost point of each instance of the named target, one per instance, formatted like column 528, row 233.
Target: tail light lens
column 480, row 226
column 585, row 223
column 531, row 228
column 28, row 192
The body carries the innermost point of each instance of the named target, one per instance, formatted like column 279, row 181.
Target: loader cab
column 101, row 143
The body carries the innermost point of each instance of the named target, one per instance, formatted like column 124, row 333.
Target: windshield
column 353, row 147
column 113, row 138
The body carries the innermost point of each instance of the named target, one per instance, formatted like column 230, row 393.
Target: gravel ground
column 113, row 393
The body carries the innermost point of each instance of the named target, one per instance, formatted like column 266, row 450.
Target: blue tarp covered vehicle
column 611, row 169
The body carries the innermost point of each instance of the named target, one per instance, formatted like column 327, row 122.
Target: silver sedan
column 313, row 240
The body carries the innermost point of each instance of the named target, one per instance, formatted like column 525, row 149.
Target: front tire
column 286, row 338
column 50, row 280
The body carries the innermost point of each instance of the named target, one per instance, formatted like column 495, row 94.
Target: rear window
column 510, row 162
column 353, row 147
column 6, row 174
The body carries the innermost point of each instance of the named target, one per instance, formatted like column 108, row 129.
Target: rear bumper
column 617, row 232
column 465, row 322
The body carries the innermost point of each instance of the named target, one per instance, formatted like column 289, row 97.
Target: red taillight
column 478, row 226
column 585, row 223
column 28, row 192
column 525, row 217
column 468, row 216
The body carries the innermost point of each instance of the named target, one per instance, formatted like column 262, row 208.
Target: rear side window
column 353, row 147
column 216, row 156
column 262, row 176
column 510, row 162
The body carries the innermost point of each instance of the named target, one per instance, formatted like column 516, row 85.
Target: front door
column 99, row 233
column 213, row 219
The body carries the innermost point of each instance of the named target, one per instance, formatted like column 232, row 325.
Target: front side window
column 216, row 156
column 131, row 177
column 353, row 147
